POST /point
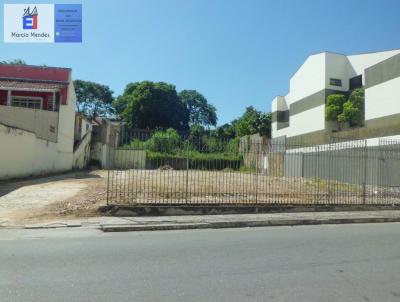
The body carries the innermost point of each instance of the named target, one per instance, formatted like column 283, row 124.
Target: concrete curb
column 220, row 209
column 240, row 224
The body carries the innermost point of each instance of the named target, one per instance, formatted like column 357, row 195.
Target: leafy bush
column 353, row 109
column 136, row 144
column 233, row 146
column 334, row 106
column 164, row 141
column 193, row 159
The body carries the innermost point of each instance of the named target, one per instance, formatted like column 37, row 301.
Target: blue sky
column 237, row 53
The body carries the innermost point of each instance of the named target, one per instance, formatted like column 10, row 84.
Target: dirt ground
column 34, row 200
column 79, row 194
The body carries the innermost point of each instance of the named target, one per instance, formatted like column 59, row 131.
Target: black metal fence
column 205, row 170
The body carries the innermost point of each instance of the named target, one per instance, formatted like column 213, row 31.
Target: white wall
column 363, row 61
column 307, row 121
column 309, row 79
column 314, row 75
column 41, row 122
column 82, row 153
column 383, row 99
column 86, row 127
column 338, row 67
column 23, row 154
column 67, row 122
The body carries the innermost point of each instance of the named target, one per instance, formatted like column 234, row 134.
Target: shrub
column 233, row 146
column 195, row 160
column 135, row 144
column 164, row 141
column 334, row 106
column 353, row 109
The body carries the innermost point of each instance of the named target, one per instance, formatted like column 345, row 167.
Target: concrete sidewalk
column 122, row 224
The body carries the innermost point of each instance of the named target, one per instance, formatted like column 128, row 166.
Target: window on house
column 335, row 82
column 26, row 102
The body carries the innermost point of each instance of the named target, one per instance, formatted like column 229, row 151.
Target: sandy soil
column 49, row 198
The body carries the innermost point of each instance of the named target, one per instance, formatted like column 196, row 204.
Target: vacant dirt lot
column 48, row 198
column 80, row 194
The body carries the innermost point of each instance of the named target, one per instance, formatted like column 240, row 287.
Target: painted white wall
column 337, row 66
column 86, row 127
column 307, row 121
column 41, row 122
column 82, row 153
column 362, row 61
column 383, row 99
column 309, row 79
column 23, row 154
column 314, row 75
column 67, row 122
column 279, row 104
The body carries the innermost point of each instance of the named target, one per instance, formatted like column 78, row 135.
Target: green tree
column 152, row 105
column 334, row 106
column 353, row 108
column 225, row 132
column 93, row 99
column 265, row 124
column 14, row 62
column 252, row 122
column 200, row 111
column 164, row 141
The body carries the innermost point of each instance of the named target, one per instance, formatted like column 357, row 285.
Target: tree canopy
column 253, row 121
column 14, row 62
column 351, row 110
column 200, row 111
column 93, row 99
column 152, row 105
column 334, row 106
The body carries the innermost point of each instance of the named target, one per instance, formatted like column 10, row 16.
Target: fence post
column 187, row 176
column 365, row 173
column 257, row 154
column 108, row 166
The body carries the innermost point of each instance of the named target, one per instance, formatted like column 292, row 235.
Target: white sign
column 32, row 23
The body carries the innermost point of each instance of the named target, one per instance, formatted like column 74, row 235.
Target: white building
column 37, row 116
column 299, row 116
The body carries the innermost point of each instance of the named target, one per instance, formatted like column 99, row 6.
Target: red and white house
column 37, row 116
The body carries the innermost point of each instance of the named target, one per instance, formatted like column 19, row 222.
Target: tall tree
column 200, row 111
column 152, row 105
column 93, row 99
column 14, row 62
column 252, row 122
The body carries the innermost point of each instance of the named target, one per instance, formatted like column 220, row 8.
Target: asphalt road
column 310, row 263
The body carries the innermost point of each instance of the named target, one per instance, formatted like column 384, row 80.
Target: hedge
column 195, row 160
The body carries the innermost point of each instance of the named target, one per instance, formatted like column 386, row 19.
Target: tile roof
column 15, row 84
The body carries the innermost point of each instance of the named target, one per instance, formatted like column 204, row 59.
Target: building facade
column 299, row 116
column 37, row 116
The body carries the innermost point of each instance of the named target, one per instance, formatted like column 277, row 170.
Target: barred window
column 335, row 82
column 32, row 103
